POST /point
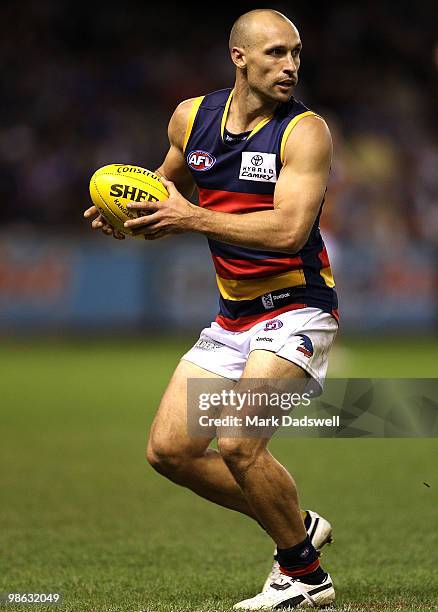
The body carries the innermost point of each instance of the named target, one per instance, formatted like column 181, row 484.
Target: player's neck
column 247, row 109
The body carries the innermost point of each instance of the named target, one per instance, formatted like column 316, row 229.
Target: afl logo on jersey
column 200, row 160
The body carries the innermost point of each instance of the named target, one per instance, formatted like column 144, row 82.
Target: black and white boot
column 320, row 534
column 287, row 592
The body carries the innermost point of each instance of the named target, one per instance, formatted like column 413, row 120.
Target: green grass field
column 82, row 514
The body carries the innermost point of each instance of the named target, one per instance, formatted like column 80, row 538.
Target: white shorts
column 303, row 336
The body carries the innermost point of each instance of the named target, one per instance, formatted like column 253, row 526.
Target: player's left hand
column 164, row 218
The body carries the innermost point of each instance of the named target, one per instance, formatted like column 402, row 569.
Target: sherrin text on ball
column 112, row 187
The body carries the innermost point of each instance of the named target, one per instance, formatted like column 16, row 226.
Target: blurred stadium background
column 87, row 88
column 86, row 351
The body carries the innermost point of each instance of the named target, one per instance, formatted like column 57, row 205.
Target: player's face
column 273, row 61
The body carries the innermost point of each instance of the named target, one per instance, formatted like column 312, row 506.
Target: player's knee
column 238, row 453
column 165, row 458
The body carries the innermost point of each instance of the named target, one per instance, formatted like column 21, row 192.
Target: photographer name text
column 284, row 420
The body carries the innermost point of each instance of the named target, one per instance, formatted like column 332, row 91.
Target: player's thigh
column 168, row 434
column 265, row 374
column 271, row 375
column 268, row 365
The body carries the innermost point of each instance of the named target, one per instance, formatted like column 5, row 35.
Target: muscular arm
column 297, row 198
column 174, row 167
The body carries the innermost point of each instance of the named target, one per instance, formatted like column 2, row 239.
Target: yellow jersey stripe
column 289, row 129
column 225, row 115
column 232, row 289
column 327, row 275
column 256, row 129
column 192, row 117
column 259, row 126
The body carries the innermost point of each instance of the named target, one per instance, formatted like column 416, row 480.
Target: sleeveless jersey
column 239, row 178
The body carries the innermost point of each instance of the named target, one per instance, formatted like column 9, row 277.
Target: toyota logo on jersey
column 200, row 160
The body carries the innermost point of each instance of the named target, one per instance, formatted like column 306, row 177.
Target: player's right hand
column 99, row 223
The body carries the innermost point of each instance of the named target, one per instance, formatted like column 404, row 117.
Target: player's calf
column 239, row 454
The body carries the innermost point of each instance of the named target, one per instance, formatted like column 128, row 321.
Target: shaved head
column 247, row 27
column 265, row 48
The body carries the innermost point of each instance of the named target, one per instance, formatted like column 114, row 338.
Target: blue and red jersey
column 239, row 177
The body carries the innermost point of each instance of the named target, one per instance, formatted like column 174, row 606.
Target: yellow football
column 114, row 186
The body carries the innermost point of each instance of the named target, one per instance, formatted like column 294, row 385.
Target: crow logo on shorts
column 306, row 346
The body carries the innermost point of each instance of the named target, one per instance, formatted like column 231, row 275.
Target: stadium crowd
column 86, row 88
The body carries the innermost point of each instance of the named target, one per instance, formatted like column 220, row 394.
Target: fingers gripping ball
column 114, row 186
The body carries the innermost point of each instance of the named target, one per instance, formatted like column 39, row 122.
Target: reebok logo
column 267, row 301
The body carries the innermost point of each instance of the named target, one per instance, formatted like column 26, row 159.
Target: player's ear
column 238, row 57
